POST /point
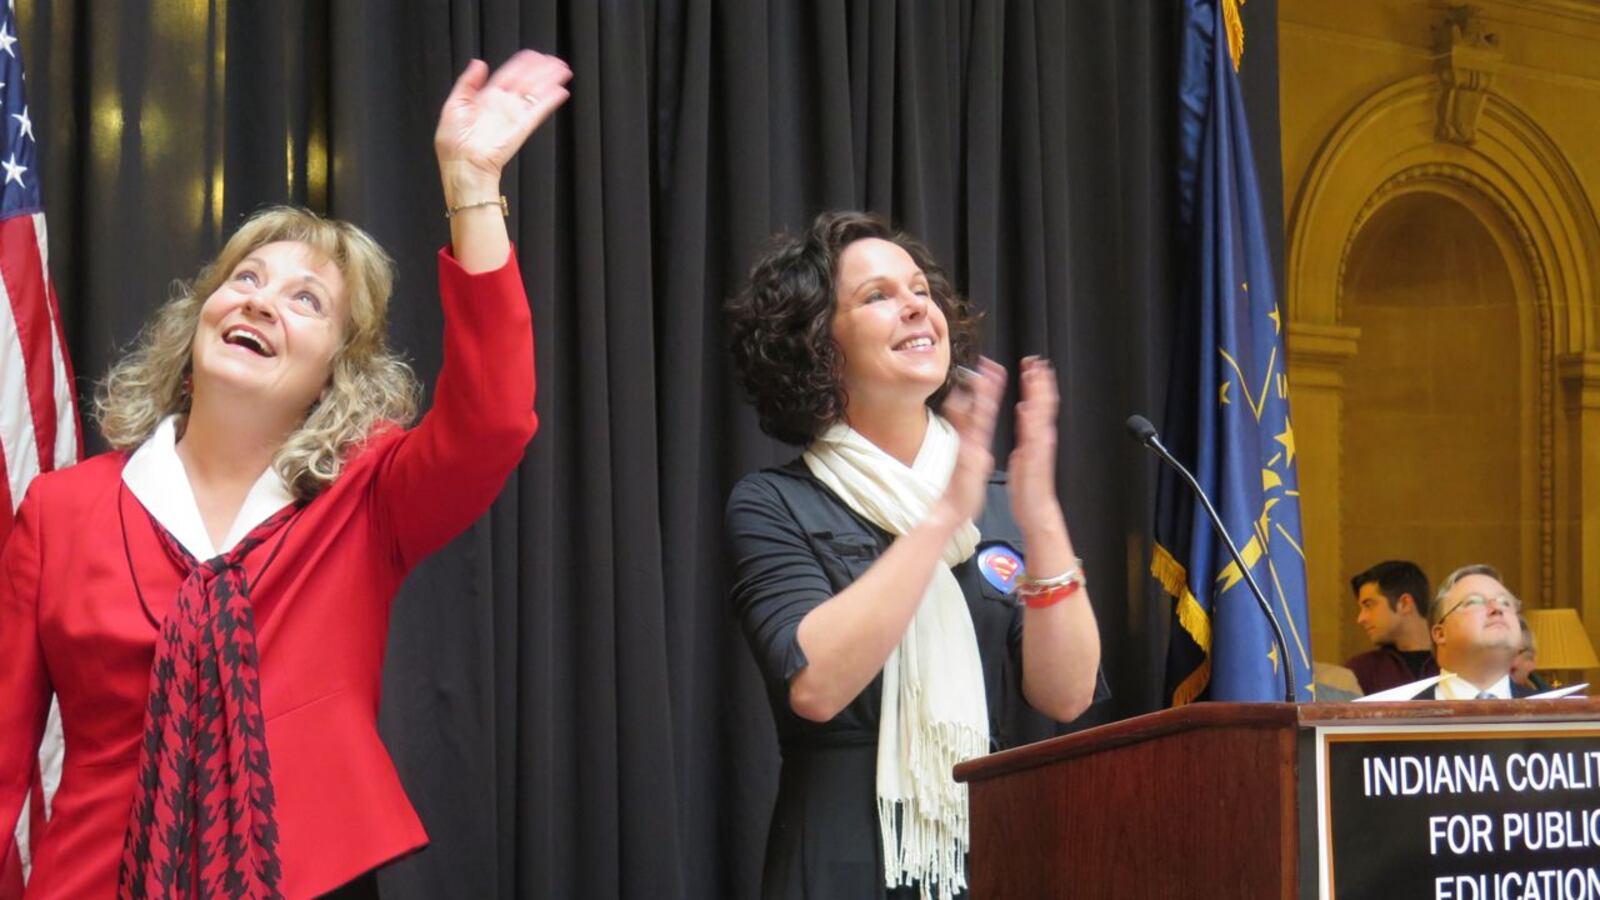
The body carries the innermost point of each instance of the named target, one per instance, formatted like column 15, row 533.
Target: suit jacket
column 71, row 620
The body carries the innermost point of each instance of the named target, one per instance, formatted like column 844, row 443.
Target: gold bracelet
column 505, row 209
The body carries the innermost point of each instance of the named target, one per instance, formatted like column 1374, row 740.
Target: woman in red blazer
column 210, row 600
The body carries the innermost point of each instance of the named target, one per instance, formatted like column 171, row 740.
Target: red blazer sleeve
column 442, row 475
column 24, row 682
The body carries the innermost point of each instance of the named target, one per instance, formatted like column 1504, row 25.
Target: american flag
column 38, row 410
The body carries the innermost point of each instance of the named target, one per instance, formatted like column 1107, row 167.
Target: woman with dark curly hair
column 210, row 600
column 880, row 577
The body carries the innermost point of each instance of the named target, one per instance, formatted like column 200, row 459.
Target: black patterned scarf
column 202, row 821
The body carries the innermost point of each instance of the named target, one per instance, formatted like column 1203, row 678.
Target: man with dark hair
column 1392, row 608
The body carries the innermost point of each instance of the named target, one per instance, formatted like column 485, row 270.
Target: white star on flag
column 6, row 40
column 27, row 123
column 13, row 171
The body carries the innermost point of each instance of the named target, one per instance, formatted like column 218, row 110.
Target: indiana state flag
column 1228, row 404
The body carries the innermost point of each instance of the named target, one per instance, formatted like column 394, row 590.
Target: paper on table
column 1559, row 692
column 1403, row 692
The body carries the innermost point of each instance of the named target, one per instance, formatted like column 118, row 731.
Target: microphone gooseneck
column 1145, row 433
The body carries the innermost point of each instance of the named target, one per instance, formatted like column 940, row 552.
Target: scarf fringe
column 925, row 836
column 924, row 854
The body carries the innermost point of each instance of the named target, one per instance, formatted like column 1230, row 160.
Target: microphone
column 1145, row 434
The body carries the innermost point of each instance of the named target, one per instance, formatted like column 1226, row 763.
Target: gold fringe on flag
column 1174, row 579
column 1235, row 26
column 1186, row 692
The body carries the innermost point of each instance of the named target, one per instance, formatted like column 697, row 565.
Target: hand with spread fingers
column 488, row 117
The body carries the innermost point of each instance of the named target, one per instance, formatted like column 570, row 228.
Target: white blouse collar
column 155, row 475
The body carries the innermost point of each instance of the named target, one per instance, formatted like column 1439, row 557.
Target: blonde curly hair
column 370, row 385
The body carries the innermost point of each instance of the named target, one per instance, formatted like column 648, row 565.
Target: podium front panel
column 1182, row 813
column 1452, row 811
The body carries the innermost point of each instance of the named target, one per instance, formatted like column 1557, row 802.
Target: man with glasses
column 1476, row 636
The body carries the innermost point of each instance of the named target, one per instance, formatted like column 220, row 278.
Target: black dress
column 795, row 544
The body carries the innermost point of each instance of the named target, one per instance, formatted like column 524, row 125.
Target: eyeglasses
column 1505, row 603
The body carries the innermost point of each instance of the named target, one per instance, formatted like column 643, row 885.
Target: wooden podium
column 1210, row 800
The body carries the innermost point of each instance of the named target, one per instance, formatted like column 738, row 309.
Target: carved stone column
column 1579, row 503
column 1317, row 357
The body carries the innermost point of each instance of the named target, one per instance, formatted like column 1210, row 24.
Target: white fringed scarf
column 934, row 712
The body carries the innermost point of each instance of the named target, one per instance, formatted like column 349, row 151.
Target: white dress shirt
column 1453, row 687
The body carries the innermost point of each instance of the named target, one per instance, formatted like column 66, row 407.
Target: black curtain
column 568, row 699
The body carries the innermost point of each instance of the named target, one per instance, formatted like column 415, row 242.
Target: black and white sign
column 1465, row 813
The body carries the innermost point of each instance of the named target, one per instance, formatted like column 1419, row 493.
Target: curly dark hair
column 781, row 324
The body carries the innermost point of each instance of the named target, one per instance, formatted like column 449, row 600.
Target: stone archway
column 1409, row 137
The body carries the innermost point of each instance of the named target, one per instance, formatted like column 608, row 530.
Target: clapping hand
column 971, row 409
column 1031, row 471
